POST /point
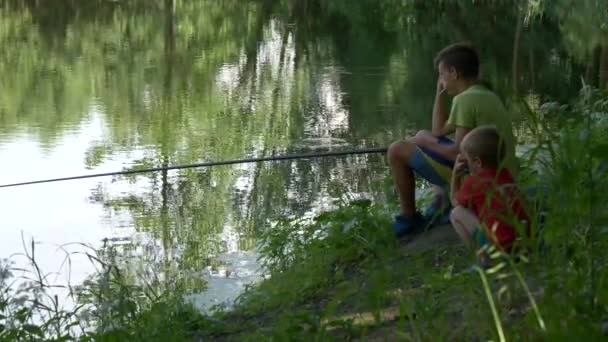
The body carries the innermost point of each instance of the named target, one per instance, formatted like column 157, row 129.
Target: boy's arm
column 455, row 186
column 440, row 112
column 447, row 151
column 457, row 176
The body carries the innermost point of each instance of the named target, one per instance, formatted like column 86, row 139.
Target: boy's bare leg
column 399, row 155
column 465, row 223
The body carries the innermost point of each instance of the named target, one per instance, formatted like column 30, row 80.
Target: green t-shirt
column 478, row 106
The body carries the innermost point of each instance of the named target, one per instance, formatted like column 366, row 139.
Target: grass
column 343, row 276
column 109, row 306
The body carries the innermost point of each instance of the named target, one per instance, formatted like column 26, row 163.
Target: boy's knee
column 400, row 152
column 456, row 213
column 423, row 134
column 420, row 137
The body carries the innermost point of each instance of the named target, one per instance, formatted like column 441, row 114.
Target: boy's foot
column 484, row 264
column 404, row 225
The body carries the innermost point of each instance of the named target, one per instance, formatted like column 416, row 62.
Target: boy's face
column 473, row 163
column 448, row 77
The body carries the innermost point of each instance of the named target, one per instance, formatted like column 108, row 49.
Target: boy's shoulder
column 478, row 182
column 489, row 178
column 476, row 94
column 497, row 176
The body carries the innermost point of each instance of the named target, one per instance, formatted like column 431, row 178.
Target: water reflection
column 108, row 85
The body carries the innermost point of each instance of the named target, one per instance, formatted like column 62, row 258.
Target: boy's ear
column 477, row 162
column 453, row 72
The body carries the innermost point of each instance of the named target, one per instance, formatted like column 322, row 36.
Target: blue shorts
column 431, row 166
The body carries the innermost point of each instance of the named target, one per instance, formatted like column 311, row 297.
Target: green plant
column 109, row 306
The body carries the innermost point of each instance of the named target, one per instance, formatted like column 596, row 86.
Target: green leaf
column 600, row 151
column 33, row 329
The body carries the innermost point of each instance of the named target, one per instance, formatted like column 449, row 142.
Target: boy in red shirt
column 487, row 204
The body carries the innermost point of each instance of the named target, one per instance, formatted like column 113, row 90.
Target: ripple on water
column 322, row 143
column 227, row 281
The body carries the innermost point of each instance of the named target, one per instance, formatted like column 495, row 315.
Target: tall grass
column 110, row 305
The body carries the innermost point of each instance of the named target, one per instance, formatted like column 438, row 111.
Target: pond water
column 110, row 85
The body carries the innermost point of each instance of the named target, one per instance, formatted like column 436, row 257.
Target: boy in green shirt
column 430, row 154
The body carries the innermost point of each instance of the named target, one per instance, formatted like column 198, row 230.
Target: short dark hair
column 485, row 143
column 461, row 56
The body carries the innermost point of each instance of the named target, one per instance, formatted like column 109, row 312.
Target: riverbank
column 406, row 290
column 355, row 286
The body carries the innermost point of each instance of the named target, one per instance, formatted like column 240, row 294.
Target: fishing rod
column 369, row 150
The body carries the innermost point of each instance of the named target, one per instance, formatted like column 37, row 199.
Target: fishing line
column 370, row 150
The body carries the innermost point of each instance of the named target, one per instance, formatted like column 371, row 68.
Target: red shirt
column 494, row 197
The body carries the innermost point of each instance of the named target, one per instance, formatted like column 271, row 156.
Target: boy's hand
column 440, row 87
column 460, row 165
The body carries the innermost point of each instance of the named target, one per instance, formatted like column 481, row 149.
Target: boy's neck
column 465, row 84
column 482, row 169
